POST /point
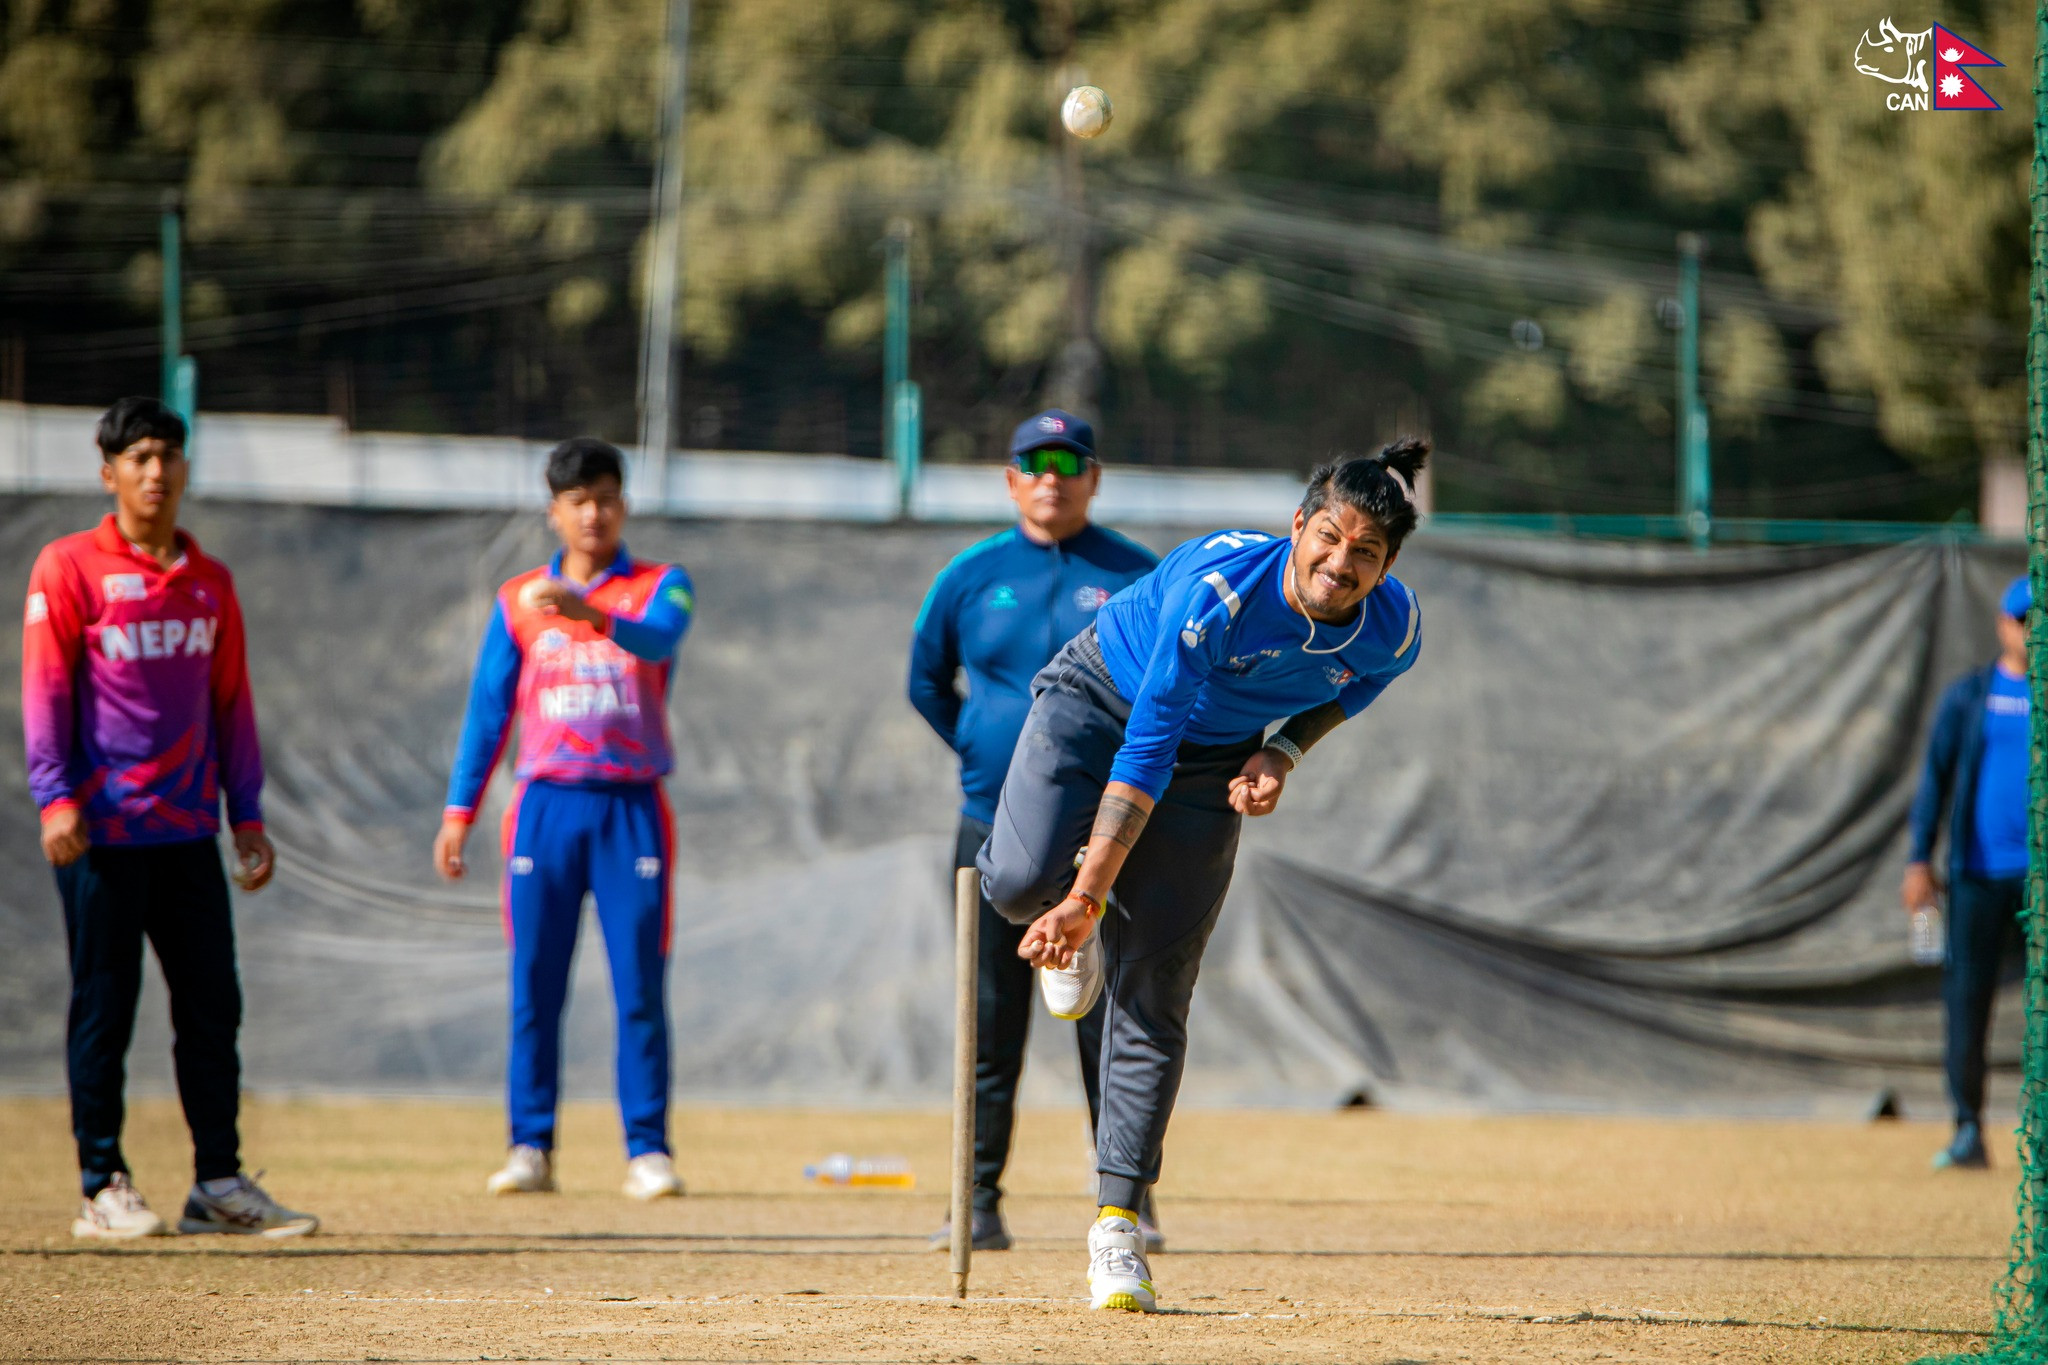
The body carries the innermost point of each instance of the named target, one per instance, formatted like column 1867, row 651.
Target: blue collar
column 622, row 563
column 1075, row 539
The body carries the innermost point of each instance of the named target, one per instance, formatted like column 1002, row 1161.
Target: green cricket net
column 2021, row 1330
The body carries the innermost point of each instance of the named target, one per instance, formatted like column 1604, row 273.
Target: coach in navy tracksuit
column 1000, row 611
column 1977, row 767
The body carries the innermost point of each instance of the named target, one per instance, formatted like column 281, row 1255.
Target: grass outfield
column 1353, row 1236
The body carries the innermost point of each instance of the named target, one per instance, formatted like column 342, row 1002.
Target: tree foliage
column 1312, row 221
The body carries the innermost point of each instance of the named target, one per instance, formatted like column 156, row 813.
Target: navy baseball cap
column 1055, row 428
column 2018, row 598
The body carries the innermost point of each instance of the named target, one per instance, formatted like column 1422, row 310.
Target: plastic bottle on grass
column 1925, row 942
column 881, row 1172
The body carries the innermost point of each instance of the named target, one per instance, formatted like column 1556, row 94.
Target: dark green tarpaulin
column 1628, row 837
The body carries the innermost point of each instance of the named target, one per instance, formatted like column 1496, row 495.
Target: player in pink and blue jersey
column 138, row 719
column 580, row 652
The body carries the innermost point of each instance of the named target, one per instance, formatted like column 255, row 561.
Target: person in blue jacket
column 1976, row 767
column 1145, row 748
column 998, row 612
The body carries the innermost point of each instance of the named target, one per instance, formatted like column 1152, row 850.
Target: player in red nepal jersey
column 138, row 718
column 579, row 652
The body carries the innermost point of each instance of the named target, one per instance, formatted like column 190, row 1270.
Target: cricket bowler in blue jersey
column 999, row 612
column 1146, row 747
column 580, row 653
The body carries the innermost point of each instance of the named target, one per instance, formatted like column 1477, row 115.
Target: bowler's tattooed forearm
column 1120, row 820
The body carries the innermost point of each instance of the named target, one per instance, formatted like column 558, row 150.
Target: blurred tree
column 1313, row 222
column 1908, row 229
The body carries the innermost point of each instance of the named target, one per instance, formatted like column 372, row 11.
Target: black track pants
column 176, row 896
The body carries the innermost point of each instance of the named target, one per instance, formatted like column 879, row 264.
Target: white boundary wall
column 268, row 458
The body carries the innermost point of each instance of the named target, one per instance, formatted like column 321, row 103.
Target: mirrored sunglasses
column 1056, row 459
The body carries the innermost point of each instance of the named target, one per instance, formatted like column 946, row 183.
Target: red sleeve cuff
column 462, row 813
column 61, row 803
column 240, row 825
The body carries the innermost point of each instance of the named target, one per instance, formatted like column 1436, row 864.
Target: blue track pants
column 615, row 842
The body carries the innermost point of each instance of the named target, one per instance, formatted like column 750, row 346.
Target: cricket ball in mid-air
column 1086, row 111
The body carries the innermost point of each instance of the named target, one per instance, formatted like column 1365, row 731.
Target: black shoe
column 989, row 1232
column 1965, row 1152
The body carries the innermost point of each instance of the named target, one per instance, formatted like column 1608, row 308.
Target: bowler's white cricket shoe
column 1117, row 1274
column 527, row 1170
column 651, row 1175
column 243, row 1207
column 1071, row 991
column 116, row 1213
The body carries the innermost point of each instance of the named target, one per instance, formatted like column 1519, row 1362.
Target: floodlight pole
column 180, row 375
column 902, row 401
column 170, row 228
column 658, row 332
column 1695, row 473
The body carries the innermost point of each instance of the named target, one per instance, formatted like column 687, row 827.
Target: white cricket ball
column 1086, row 111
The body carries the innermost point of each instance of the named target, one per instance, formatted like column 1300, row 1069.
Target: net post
column 2021, row 1331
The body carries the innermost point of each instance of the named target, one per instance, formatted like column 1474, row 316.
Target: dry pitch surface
column 1293, row 1238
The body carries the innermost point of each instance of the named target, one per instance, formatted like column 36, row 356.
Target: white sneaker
column 245, row 1208
column 527, row 1170
column 1071, row 991
column 651, row 1175
column 116, row 1213
column 1117, row 1274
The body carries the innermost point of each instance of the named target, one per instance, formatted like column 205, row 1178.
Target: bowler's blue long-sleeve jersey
column 1001, row 610
column 1209, row 651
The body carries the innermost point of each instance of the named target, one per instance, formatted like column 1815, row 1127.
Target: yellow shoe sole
column 1127, row 1302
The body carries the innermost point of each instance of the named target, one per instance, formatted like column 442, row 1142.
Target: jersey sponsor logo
column 679, row 596
column 584, row 701
column 38, row 608
column 1003, row 598
column 159, row 639
column 1236, row 540
column 1337, row 674
column 647, row 869
column 123, row 587
column 520, row 866
column 1242, row 664
column 599, row 665
column 2005, row 706
column 1090, row 597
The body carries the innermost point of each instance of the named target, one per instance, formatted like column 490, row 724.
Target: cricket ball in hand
column 529, row 595
column 1086, row 112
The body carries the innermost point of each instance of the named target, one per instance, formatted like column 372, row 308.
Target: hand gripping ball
column 1086, row 111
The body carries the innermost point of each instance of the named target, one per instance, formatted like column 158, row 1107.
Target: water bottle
column 1925, row 942
column 882, row 1172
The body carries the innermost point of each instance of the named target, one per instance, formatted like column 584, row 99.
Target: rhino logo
column 1897, row 59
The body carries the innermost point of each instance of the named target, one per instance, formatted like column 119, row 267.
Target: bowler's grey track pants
column 1166, row 899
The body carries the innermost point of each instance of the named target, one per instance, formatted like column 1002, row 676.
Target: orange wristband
column 1093, row 902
